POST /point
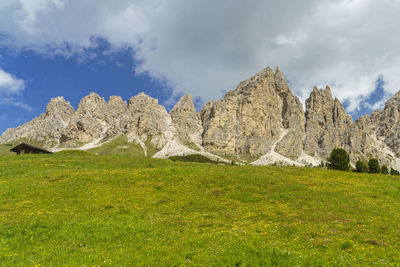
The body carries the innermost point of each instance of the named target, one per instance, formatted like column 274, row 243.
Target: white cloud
column 207, row 47
column 12, row 101
column 10, row 87
column 9, row 84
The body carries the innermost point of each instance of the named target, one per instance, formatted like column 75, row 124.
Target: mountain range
column 260, row 122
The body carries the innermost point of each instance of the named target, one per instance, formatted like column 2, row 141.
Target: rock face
column 327, row 124
column 94, row 119
column 249, row 120
column 148, row 120
column 389, row 124
column 186, row 121
column 261, row 119
column 87, row 123
column 47, row 127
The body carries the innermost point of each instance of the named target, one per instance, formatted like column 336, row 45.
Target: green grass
column 119, row 146
column 77, row 209
column 5, row 150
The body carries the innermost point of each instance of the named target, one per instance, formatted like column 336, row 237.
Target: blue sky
column 46, row 77
column 169, row 48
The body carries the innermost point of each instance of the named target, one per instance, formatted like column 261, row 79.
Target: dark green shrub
column 339, row 160
column 361, row 166
column 394, row 172
column 373, row 166
column 192, row 158
column 347, row 245
column 384, row 169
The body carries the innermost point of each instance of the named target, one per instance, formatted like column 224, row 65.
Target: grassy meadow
column 82, row 209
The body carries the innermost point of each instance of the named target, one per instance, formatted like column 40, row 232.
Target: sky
column 166, row 49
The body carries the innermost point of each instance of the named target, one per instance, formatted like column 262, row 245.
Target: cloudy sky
column 169, row 48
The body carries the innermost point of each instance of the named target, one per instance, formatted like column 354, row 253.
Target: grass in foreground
column 81, row 209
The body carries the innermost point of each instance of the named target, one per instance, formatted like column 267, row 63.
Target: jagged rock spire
column 327, row 123
column 186, row 121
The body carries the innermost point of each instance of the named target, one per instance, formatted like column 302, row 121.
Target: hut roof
column 34, row 149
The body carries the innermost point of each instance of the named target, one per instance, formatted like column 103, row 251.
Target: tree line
column 339, row 160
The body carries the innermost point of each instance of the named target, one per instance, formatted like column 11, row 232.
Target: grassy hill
column 76, row 208
column 119, row 146
column 5, row 150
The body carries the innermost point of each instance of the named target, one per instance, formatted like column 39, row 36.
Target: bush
column 361, row 166
column 384, row 169
column 339, row 160
column 373, row 166
column 192, row 158
column 394, row 172
column 347, row 245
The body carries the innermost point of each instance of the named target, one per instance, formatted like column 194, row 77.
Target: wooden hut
column 28, row 149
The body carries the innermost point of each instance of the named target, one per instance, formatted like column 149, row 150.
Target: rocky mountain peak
column 116, row 106
column 59, row 106
column 389, row 123
column 328, row 91
column 147, row 119
column 249, row 120
column 394, row 99
column 184, row 106
column 319, row 97
column 392, row 108
column 280, row 81
column 262, row 81
column 187, row 124
column 116, row 100
column 327, row 123
column 90, row 103
column 142, row 99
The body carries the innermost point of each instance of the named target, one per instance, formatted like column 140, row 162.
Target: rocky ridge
column 260, row 122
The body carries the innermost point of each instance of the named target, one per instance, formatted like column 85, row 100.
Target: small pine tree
column 384, row 169
column 373, row 166
column 394, row 172
column 339, row 160
column 361, row 166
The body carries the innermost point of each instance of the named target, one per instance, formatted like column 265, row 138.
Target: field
column 79, row 209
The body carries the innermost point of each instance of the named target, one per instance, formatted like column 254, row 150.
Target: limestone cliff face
column 364, row 143
column 389, row 124
column 85, row 124
column 261, row 118
column 148, row 120
column 47, row 127
column 95, row 118
column 186, row 121
column 249, row 120
column 327, row 124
